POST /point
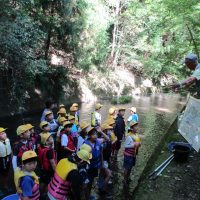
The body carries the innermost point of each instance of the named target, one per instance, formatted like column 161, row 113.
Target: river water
column 156, row 114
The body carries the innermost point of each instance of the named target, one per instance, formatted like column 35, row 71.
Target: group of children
column 68, row 154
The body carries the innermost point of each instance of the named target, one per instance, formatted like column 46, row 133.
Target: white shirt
column 129, row 142
column 80, row 142
column 98, row 118
column 64, row 140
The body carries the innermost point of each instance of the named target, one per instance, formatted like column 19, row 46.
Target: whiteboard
column 190, row 123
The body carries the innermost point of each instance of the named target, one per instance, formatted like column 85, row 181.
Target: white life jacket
column 5, row 148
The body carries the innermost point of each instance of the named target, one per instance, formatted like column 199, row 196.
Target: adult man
column 119, row 129
column 191, row 61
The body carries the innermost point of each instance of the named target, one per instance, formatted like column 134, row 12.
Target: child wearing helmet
column 96, row 162
column 67, row 177
column 132, row 144
column 58, row 136
column 52, row 123
column 47, row 160
column 96, row 116
column 74, row 130
column 49, row 106
column 82, row 134
column 22, row 145
column 61, row 113
column 26, row 181
column 67, row 140
column 33, row 135
column 5, row 158
column 133, row 117
column 74, row 109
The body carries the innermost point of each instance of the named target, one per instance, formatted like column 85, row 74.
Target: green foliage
column 159, row 34
column 121, row 100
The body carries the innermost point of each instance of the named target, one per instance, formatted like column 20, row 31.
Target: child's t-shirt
column 64, row 140
column 26, row 185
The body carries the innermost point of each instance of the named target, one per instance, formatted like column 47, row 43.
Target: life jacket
column 132, row 151
column 70, row 143
column 18, row 175
column 77, row 118
column 5, row 148
column 42, row 156
column 95, row 162
column 93, row 119
column 59, row 187
column 23, row 147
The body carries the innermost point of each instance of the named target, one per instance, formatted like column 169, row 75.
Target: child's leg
column 125, row 175
column 107, row 175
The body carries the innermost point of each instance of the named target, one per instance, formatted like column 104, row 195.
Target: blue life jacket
column 95, row 162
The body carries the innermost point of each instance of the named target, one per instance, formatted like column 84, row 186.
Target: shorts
column 118, row 145
column 5, row 165
column 92, row 174
column 129, row 162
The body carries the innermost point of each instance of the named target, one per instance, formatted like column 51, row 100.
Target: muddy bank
column 180, row 181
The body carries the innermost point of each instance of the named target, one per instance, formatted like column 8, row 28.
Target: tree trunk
column 193, row 40
column 115, row 33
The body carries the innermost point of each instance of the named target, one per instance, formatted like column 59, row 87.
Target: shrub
column 121, row 100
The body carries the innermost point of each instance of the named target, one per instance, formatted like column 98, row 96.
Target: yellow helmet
column 61, row 106
column 71, row 117
column 84, row 155
column 110, row 121
column 30, row 126
column 67, row 123
column 28, row 154
column 73, row 109
column 2, row 129
column 86, row 147
column 62, row 120
column 133, row 123
column 62, row 111
column 111, row 111
column 122, row 108
column 106, row 127
column 22, row 129
column 98, row 106
column 84, row 125
column 91, row 129
column 48, row 113
column 74, row 105
column 44, row 137
column 43, row 123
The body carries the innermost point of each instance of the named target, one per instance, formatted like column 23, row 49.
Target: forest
column 148, row 37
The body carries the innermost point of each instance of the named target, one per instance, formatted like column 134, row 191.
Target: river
column 156, row 113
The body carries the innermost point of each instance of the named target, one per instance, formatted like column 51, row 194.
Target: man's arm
column 187, row 82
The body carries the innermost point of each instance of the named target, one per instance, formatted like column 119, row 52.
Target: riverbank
column 179, row 181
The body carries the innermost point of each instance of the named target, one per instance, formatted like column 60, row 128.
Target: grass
column 121, row 100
